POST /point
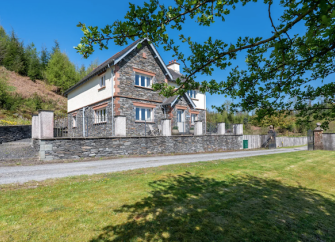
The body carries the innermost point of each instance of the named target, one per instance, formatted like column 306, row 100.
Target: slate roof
column 102, row 67
column 175, row 74
column 171, row 101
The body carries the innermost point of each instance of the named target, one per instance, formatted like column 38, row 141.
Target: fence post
column 221, row 128
column 318, row 131
column 166, row 127
column 197, row 127
column 46, row 124
column 120, row 125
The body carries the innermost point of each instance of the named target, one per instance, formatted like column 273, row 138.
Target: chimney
column 174, row 65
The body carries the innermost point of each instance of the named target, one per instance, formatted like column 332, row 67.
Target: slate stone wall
column 92, row 129
column 12, row 133
column 73, row 148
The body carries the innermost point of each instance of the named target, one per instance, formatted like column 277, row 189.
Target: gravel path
column 20, row 174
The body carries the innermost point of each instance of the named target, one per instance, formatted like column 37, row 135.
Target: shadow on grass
column 193, row 208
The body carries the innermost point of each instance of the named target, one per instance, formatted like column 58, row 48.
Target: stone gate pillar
column 45, row 124
column 120, row 125
column 166, row 127
column 238, row 129
column 197, row 127
column 318, row 131
column 35, row 129
column 221, row 128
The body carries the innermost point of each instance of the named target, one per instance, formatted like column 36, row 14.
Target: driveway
column 20, row 174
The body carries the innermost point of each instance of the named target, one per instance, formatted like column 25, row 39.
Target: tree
column 15, row 58
column 45, row 57
column 61, row 71
column 55, row 48
column 34, row 65
column 3, row 43
column 280, row 65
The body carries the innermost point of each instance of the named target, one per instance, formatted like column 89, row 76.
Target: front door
column 181, row 120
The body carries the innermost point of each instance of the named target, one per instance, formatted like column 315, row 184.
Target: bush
column 175, row 127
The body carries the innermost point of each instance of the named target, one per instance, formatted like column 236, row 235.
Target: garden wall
column 328, row 141
column 74, row 148
column 12, row 133
column 256, row 141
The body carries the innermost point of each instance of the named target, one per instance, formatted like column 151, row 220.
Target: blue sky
column 42, row 22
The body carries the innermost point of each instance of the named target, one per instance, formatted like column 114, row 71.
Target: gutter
column 112, row 83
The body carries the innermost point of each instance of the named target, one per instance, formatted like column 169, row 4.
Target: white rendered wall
column 202, row 100
column 88, row 93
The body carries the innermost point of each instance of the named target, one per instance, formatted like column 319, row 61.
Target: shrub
column 175, row 127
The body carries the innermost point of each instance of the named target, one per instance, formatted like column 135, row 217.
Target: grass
column 281, row 197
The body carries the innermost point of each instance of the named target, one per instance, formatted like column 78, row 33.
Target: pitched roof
column 171, row 101
column 175, row 75
column 113, row 60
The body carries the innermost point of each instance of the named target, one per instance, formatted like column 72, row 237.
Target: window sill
column 149, row 88
column 74, row 127
column 100, row 123
column 195, row 99
column 101, row 88
column 148, row 122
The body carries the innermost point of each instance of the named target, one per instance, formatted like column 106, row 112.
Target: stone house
column 121, row 86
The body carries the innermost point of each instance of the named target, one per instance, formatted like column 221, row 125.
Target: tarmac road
column 21, row 174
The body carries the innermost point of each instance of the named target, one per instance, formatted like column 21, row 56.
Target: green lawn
column 281, row 197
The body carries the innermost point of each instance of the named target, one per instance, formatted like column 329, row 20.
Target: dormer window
column 192, row 93
column 142, row 80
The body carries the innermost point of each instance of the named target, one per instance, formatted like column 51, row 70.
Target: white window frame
column 100, row 116
column 145, row 81
column 194, row 117
column 192, row 93
column 74, row 121
column 103, row 81
column 145, row 109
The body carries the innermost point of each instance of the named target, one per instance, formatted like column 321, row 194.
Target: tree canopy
column 280, row 65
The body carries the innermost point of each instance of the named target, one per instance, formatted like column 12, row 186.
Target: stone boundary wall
column 12, row 133
column 290, row 141
column 328, row 141
column 74, row 148
column 256, row 141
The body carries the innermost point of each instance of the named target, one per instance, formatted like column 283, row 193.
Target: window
column 74, row 121
column 100, row 116
column 192, row 93
column 143, row 114
column 142, row 80
column 194, row 117
column 180, row 116
column 102, row 81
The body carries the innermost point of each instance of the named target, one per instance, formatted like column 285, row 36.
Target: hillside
column 20, row 97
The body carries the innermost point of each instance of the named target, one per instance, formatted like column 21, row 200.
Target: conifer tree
column 45, row 57
column 15, row 59
column 34, row 65
column 3, row 43
column 61, row 71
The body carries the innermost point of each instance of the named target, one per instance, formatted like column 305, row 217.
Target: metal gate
column 310, row 139
column 272, row 139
